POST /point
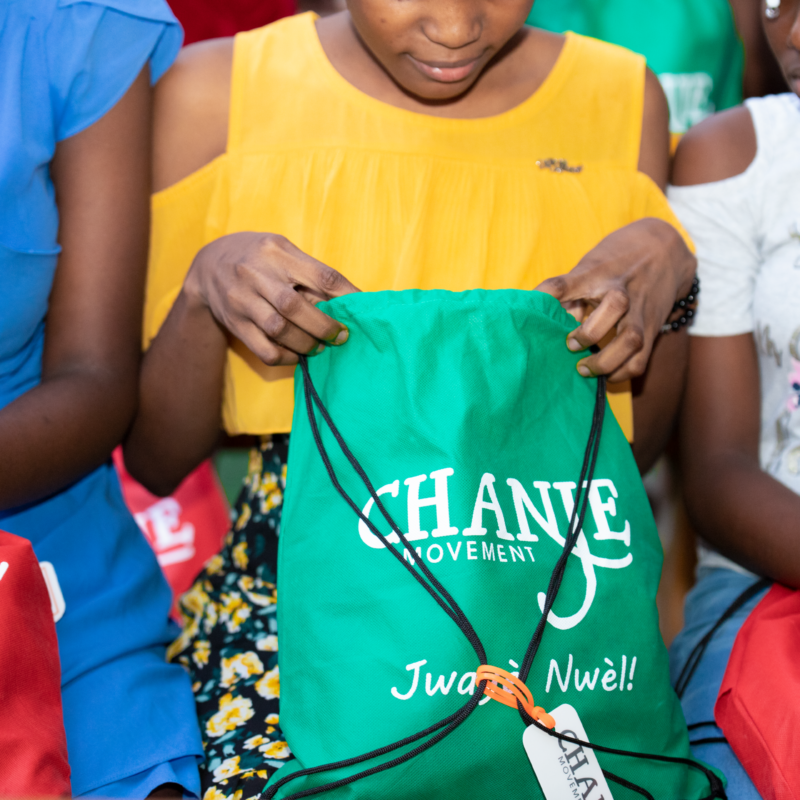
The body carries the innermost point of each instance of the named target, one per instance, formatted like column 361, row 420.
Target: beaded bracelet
column 686, row 306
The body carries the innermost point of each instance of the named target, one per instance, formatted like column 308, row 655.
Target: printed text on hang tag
column 564, row 769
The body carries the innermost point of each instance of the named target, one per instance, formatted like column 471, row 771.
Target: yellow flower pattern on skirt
column 229, row 641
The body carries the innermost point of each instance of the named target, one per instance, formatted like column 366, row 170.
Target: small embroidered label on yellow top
column 564, row 769
column 558, row 165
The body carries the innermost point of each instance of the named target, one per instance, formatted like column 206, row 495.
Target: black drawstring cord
column 708, row 739
column 444, row 727
column 693, row 661
column 573, row 531
column 589, row 463
column 456, row 720
column 454, row 611
column 717, row 789
column 628, row 785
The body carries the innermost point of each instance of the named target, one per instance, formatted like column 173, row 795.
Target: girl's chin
column 432, row 91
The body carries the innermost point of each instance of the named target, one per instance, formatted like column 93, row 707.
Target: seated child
column 75, row 113
column 735, row 191
column 392, row 146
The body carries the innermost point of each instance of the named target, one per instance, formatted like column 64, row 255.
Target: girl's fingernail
column 342, row 336
column 315, row 351
column 585, row 371
column 573, row 344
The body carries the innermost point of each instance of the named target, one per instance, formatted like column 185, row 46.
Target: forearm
column 746, row 514
column 59, row 431
column 657, row 396
column 177, row 423
column 736, row 506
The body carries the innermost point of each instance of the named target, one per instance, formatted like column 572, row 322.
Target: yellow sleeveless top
column 395, row 199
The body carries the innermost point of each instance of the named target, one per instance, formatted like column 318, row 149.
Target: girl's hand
column 629, row 281
column 262, row 289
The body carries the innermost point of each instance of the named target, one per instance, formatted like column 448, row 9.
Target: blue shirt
column 63, row 65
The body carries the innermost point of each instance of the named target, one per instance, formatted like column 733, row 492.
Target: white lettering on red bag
column 57, row 604
column 170, row 537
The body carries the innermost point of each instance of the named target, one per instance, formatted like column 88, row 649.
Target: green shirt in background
column 692, row 45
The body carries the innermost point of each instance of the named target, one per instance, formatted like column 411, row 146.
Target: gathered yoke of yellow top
column 395, row 199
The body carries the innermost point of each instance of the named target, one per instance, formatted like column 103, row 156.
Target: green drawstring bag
column 458, row 498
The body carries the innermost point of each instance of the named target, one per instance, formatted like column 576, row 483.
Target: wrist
column 684, row 261
column 192, row 307
column 687, row 265
column 193, row 290
column 689, row 275
column 683, row 309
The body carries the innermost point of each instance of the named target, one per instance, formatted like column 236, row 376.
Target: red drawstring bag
column 757, row 706
column 184, row 529
column 33, row 744
column 209, row 19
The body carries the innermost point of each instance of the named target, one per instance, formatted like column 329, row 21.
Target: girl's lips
column 446, row 74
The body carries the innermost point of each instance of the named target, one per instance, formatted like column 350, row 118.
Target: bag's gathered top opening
column 490, row 679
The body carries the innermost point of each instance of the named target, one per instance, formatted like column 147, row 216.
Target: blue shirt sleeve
column 96, row 49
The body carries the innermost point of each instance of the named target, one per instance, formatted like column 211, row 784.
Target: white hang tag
column 564, row 769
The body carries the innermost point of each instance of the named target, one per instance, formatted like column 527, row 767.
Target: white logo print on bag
column 524, row 507
column 57, row 604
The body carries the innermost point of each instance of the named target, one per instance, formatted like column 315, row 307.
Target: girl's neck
column 506, row 82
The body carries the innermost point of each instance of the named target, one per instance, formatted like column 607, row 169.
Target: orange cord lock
column 510, row 690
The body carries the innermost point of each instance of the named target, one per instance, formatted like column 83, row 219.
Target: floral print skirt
column 229, row 642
